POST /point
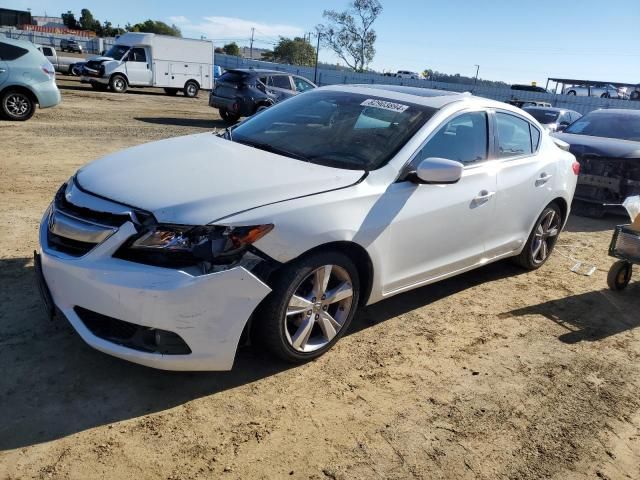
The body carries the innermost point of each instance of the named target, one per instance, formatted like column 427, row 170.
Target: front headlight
column 181, row 246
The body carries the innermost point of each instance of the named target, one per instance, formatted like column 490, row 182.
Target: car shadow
column 84, row 87
column 54, row 385
column 184, row 122
column 590, row 316
column 578, row 224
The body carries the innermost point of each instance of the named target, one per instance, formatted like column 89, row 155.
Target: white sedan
column 166, row 253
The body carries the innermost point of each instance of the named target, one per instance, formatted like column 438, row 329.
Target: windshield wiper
column 271, row 149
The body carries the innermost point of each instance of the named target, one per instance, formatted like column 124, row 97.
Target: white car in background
column 599, row 90
column 163, row 254
column 408, row 74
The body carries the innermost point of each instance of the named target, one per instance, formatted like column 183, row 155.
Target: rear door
column 4, row 71
column 524, row 182
column 138, row 66
column 280, row 87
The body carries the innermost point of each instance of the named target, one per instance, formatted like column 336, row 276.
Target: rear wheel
column 171, row 91
column 605, row 95
column 635, row 95
column 118, row 84
column 17, row 105
column 228, row 117
column 191, row 89
column 571, row 92
column 310, row 308
column 619, row 275
column 542, row 239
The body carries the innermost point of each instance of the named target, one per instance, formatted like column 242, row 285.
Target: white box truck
column 150, row 60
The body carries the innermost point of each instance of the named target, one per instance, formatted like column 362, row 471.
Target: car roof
column 19, row 43
column 553, row 109
column 422, row 96
column 257, row 71
column 618, row 111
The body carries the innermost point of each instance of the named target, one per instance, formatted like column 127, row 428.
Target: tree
column 350, row 34
column 69, row 20
column 268, row 56
column 87, row 22
column 427, row 73
column 232, row 49
column 297, row 51
column 155, row 26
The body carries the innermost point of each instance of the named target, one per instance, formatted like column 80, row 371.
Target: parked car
column 607, row 145
column 408, row 74
column 529, row 88
column 27, row 79
column 296, row 217
column 70, row 45
column 600, row 90
column 150, row 60
column 553, row 119
column 244, row 91
column 68, row 65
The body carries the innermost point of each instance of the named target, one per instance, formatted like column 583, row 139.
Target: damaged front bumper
column 206, row 312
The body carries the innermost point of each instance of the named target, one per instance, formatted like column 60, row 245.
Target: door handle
column 484, row 196
column 544, row 178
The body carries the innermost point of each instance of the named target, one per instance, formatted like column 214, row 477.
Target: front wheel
column 542, row 239
column 571, row 92
column 311, row 306
column 17, row 105
column 191, row 89
column 605, row 95
column 619, row 275
column 228, row 117
column 635, row 95
column 118, row 84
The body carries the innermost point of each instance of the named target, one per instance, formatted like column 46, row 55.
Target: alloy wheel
column 192, row 90
column 119, row 84
column 545, row 237
column 318, row 309
column 17, row 104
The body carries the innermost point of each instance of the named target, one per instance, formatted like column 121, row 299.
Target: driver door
column 138, row 67
column 441, row 229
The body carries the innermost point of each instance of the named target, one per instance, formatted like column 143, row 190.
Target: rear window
column 543, row 116
column 233, row 77
column 11, row 52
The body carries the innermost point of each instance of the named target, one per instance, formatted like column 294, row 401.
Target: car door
column 302, row 85
column 279, row 87
column 440, row 229
column 138, row 67
column 524, row 182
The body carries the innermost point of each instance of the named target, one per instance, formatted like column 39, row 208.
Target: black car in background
column 242, row 92
column 552, row 118
column 70, row 46
column 529, row 88
column 606, row 143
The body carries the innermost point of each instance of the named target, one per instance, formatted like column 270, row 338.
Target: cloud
column 231, row 28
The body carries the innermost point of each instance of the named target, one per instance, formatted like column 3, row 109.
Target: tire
column 228, row 117
column 191, row 89
column 118, row 84
column 605, row 95
column 542, row 239
column 294, row 323
column 17, row 105
column 171, row 91
column 635, row 95
column 619, row 275
column 261, row 108
column 572, row 92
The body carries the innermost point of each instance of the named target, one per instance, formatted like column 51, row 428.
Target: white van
column 150, row 60
column 408, row 74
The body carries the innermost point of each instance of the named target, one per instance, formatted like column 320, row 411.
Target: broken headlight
column 182, row 246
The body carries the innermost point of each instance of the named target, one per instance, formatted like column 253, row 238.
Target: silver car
column 27, row 79
column 599, row 90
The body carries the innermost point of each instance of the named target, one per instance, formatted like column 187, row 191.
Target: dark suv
column 242, row 92
column 70, row 45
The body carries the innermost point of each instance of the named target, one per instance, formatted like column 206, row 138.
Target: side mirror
column 439, row 171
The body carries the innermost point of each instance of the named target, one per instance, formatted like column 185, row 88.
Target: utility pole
column 253, row 31
column 477, row 71
column 315, row 73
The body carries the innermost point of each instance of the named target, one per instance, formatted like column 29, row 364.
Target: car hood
column 600, row 146
column 98, row 58
column 202, row 178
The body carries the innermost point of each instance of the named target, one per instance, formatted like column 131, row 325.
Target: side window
column 138, row 55
column 47, row 52
column 281, row 81
column 535, row 137
column 464, row 139
column 263, row 80
column 514, row 137
column 11, row 52
column 301, row 84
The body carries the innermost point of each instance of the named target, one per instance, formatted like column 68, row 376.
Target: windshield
column 117, row 52
column 335, row 129
column 622, row 126
column 543, row 116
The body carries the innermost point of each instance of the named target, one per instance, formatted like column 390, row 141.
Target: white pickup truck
column 70, row 65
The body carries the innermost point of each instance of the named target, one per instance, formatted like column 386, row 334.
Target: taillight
column 48, row 69
column 576, row 168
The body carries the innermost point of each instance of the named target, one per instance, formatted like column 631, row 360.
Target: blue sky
column 511, row 40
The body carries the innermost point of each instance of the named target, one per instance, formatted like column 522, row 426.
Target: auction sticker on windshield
column 393, row 107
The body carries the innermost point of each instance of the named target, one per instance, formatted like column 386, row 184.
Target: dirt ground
column 493, row 374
